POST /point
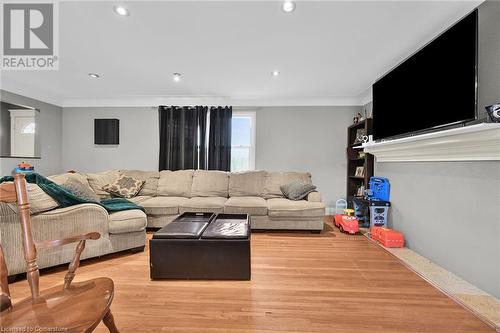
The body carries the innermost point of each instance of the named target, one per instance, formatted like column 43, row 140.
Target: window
column 243, row 141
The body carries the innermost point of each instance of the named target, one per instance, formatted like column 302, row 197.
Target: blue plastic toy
column 380, row 189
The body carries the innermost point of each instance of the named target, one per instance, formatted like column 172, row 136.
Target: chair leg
column 109, row 321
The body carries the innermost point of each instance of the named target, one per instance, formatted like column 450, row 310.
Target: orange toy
column 390, row 238
column 374, row 233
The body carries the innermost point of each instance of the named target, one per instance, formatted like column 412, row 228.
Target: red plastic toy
column 346, row 222
column 374, row 233
column 387, row 237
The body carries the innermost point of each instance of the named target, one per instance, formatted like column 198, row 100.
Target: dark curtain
column 181, row 128
column 219, row 141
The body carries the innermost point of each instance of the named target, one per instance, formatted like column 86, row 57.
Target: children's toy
column 378, row 213
column 379, row 189
column 390, row 238
column 387, row 237
column 24, row 167
column 340, row 205
column 362, row 211
column 346, row 222
column 374, row 233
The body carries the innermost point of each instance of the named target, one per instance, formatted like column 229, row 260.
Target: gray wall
column 450, row 211
column 139, row 139
column 488, row 55
column 310, row 139
column 4, row 129
column 288, row 138
column 48, row 137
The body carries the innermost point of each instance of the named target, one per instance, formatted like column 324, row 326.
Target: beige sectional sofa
column 164, row 196
column 256, row 193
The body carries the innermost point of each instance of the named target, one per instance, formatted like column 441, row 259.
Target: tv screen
column 434, row 87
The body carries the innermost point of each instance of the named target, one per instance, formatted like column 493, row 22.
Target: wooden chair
column 70, row 307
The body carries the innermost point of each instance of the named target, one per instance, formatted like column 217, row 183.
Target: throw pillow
column 124, row 186
column 39, row 201
column 80, row 189
column 297, row 190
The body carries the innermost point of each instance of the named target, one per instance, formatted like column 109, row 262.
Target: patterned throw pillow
column 297, row 190
column 124, row 186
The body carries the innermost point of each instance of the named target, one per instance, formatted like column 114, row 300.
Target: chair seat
column 75, row 309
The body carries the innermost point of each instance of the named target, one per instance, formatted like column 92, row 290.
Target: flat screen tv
column 435, row 87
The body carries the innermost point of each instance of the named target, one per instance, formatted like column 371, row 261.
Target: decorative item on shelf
column 360, row 171
column 360, row 135
column 361, row 154
column 494, row 112
column 361, row 117
column 360, row 191
column 355, row 120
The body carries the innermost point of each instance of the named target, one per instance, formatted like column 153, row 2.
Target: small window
column 29, row 129
column 243, row 141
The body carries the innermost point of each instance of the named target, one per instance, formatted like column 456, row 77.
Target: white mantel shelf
column 479, row 142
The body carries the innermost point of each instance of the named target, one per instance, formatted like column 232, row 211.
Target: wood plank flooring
column 301, row 282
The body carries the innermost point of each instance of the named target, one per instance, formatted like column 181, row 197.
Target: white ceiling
column 328, row 52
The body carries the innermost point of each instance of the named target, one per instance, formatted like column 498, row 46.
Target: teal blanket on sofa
column 66, row 198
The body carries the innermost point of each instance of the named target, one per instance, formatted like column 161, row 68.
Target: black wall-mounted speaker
column 106, row 131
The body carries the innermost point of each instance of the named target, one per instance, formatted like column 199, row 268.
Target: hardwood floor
column 301, row 282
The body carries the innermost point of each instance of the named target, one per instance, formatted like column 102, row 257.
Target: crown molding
column 31, row 92
column 366, row 96
column 149, row 101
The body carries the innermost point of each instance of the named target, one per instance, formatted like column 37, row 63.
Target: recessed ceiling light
column 276, row 73
column 94, row 75
column 122, row 11
column 177, row 77
column 288, row 6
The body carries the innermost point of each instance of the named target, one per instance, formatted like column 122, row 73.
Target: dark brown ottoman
column 202, row 246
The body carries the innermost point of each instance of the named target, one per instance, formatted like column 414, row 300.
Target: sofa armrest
column 314, row 197
column 55, row 224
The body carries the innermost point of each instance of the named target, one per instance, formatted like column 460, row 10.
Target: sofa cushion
column 98, row 180
column 175, row 183
column 210, row 183
column 246, row 205
column 124, row 187
column 150, row 179
column 286, row 208
column 140, row 198
column 131, row 220
column 275, row 179
column 247, row 184
column 297, row 190
column 39, row 201
column 203, row 204
column 64, row 177
column 163, row 205
column 80, row 188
